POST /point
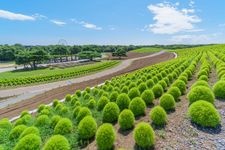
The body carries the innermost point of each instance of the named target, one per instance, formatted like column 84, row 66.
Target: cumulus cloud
column 15, row 16
column 58, row 22
column 87, row 25
column 169, row 19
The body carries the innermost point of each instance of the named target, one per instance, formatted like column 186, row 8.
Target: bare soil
column 130, row 55
column 59, row 93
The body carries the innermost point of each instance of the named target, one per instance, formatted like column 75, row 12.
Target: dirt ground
column 130, row 55
column 59, row 93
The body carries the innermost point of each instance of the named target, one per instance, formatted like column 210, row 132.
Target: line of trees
column 30, row 56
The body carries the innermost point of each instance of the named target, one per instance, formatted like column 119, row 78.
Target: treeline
column 33, row 55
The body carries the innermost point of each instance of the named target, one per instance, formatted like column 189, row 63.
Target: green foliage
column 102, row 102
column 144, row 135
column 87, row 128
column 204, row 113
column 68, row 98
column 150, row 83
column 200, row 83
column 42, row 120
column 5, row 124
column 84, row 111
column 219, row 89
column 175, row 92
column 92, row 103
column 148, row 96
column 181, row 85
column 134, row 92
column 110, row 112
column 126, row 119
column 200, row 93
column 29, row 142
column 142, row 87
column 16, row 131
column 64, row 126
column 158, row 116
column 54, row 120
column 167, row 102
column 76, row 111
column 105, row 136
column 137, row 106
column 30, row 130
column 157, row 90
column 113, row 96
column 123, row 101
column 57, row 142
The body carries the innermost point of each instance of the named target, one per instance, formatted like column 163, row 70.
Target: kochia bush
column 84, row 111
column 158, row 116
column 219, row 89
column 102, row 102
column 29, row 142
column 200, row 93
column 148, row 96
column 137, row 106
column 126, row 119
column 134, row 92
column 30, row 130
column 167, row 102
column 87, row 128
column 64, row 126
column 110, row 112
column 144, row 135
column 123, row 101
column 204, row 114
column 105, row 136
column 175, row 92
column 16, row 131
column 157, row 90
column 181, row 85
column 57, row 142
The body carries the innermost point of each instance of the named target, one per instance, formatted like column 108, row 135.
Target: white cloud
column 196, row 39
column 87, row 24
column 39, row 16
column 14, row 16
column 58, row 22
column 169, row 19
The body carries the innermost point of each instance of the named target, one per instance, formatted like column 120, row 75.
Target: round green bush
column 54, row 120
column 137, row 106
column 144, row 135
column 167, row 102
column 64, row 126
column 113, row 96
column 200, row 93
column 92, row 103
column 102, row 102
column 29, row 142
column 175, row 92
column 158, row 116
column 200, row 83
column 23, row 113
column 105, row 136
column 134, row 92
column 76, row 111
column 204, row 77
column 123, row 101
column 142, row 87
column 126, row 119
column 148, row 96
column 42, row 120
column 132, row 85
column 163, row 84
column 204, row 113
column 150, row 83
column 125, row 89
column 84, row 111
column 181, row 85
column 68, row 98
column 57, row 142
column 219, row 89
column 5, row 124
column 30, row 130
column 16, row 131
column 87, row 128
column 157, row 90
column 42, row 106
column 54, row 104
column 110, row 112
column 78, row 93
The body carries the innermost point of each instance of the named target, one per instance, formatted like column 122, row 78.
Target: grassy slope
column 46, row 71
column 147, row 50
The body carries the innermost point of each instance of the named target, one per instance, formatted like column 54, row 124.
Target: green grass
column 24, row 77
column 147, row 50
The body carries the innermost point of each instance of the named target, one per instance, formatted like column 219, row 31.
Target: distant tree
column 88, row 55
column 38, row 55
column 119, row 52
column 74, row 50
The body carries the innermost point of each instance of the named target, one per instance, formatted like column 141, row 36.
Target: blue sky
column 112, row 21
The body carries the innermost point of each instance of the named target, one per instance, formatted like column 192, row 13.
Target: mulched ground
column 59, row 93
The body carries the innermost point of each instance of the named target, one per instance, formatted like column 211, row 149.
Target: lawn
column 147, row 50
